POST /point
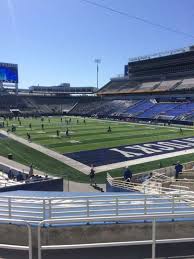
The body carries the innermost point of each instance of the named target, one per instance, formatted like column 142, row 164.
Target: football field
column 90, row 142
column 92, row 134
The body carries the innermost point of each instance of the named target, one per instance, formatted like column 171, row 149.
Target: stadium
column 53, row 137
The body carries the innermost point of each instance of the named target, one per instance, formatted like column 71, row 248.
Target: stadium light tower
column 97, row 61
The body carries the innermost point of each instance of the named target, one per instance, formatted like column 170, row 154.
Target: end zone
column 117, row 157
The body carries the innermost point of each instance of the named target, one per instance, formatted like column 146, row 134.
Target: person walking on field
column 181, row 131
column 67, row 132
column 109, row 129
column 92, row 176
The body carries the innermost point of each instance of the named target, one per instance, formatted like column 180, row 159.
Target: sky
column 55, row 41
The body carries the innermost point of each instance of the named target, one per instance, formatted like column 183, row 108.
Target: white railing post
column 39, row 242
column 29, row 240
column 117, row 206
column 9, row 206
column 145, row 204
column 154, row 238
column 50, row 208
column 173, row 203
column 88, row 207
column 44, row 209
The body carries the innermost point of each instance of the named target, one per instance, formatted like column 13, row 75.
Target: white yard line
column 145, row 124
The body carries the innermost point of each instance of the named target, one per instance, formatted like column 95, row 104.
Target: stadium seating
column 139, row 107
column 186, row 84
column 147, row 86
column 167, row 85
column 128, row 86
column 181, row 109
column 157, row 109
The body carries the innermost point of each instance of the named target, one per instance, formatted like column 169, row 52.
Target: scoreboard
column 8, row 73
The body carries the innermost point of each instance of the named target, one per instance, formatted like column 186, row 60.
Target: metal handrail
column 153, row 241
column 19, row 247
column 34, row 210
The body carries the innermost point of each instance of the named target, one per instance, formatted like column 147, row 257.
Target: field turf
column 93, row 134
column 89, row 136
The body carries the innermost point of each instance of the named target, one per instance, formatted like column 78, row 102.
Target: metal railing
column 37, row 209
column 153, row 241
column 150, row 186
column 19, row 247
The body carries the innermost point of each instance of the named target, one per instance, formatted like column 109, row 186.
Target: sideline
column 63, row 159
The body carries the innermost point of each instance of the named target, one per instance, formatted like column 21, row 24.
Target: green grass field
column 89, row 136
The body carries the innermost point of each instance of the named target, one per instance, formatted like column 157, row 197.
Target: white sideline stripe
column 63, row 159
column 146, row 125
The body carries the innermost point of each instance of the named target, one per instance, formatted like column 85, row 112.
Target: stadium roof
column 162, row 54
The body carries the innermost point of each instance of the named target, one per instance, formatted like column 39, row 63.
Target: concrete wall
column 47, row 185
column 50, row 185
column 13, row 234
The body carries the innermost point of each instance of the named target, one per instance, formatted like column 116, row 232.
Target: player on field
column 28, row 136
column 181, row 131
column 109, row 129
column 67, row 132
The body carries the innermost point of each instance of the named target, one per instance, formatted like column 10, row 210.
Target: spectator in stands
column 109, row 129
column 178, row 169
column 10, row 174
column 31, row 171
column 19, row 177
column 92, row 176
column 127, row 174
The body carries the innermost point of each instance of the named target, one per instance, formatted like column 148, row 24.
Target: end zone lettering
column 119, row 154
